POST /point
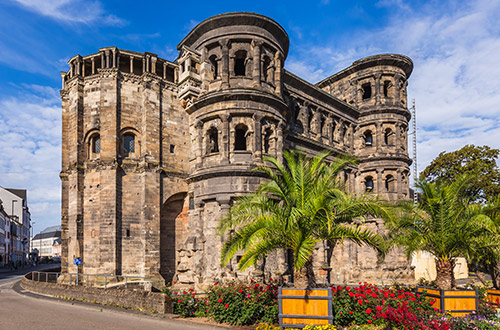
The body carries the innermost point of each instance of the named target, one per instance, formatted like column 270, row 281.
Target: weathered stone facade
column 154, row 151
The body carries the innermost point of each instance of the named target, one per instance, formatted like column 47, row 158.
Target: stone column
column 143, row 64
column 131, row 64
column 257, row 152
column 148, row 63
column 153, row 65
column 278, row 61
column 225, row 139
column 378, row 136
column 329, row 123
column 115, row 55
column 164, row 70
column 378, row 93
column 92, row 60
column 103, row 61
column 108, row 63
column 399, row 188
column 225, row 63
column 256, row 48
column 397, row 143
column 279, row 143
column 380, row 185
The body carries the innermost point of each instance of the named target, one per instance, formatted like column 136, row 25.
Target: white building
column 48, row 242
column 4, row 236
column 15, row 203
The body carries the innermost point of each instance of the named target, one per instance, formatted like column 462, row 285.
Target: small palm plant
column 303, row 203
column 445, row 224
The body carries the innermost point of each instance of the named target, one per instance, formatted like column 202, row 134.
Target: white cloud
column 74, row 11
column 456, row 77
column 31, row 149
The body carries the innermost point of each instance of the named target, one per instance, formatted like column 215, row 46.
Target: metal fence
column 94, row 280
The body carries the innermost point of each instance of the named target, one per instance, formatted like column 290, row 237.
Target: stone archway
column 173, row 223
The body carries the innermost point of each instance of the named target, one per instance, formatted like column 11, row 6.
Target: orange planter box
column 301, row 307
column 456, row 302
column 493, row 296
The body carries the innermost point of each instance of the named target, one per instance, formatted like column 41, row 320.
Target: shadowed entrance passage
column 173, row 220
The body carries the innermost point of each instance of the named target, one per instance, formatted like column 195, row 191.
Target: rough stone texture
column 133, row 299
column 200, row 125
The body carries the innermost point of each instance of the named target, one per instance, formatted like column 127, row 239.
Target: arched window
column 128, row 143
column 368, row 138
column 387, row 85
column 388, row 137
column 213, row 62
column 266, row 68
column 239, row 62
column 240, row 138
column 213, row 140
column 389, row 183
column 267, row 140
column 367, row 91
column 369, row 184
column 95, row 144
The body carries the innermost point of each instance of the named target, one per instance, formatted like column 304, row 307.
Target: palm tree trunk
column 495, row 275
column 478, row 273
column 444, row 274
column 305, row 278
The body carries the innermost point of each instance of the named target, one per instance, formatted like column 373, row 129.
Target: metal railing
column 94, row 280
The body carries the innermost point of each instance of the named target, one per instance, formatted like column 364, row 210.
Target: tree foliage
column 446, row 225
column 479, row 162
column 303, row 203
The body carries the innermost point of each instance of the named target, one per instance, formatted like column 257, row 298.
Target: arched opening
column 267, row 140
column 387, row 85
column 388, row 137
column 239, row 62
column 367, row 91
column 173, row 215
column 213, row 62
column 368, row 138
column 240, row 138
column 95, row 144
column 128, row 143
column 266, row 68
column 368, row 184
column 389, row 183
column 212, row 140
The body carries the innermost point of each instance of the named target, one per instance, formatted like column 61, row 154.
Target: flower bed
column 390, row 308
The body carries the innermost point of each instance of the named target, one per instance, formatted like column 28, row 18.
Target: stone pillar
column 199, row 144
column 225, row 139
column 399, row 188
column 103, row 60
column 329, row 123
column 225, row 63
column 153, row 65
column 115, row 55
column 148, row 63
column 256, row 48
column 378, row 92
column 279, row 143
column 378, row 136
column 397, row 143
column 108, row 62
column 380, row 185
column 164, row 70
column 278, row 62
column 257, row 152
column 143, row 64
column 92, row 60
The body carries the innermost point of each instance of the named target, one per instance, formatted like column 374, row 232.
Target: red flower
column 368, row 311
column 360, row 302
column 370, row 321
column 241, row 290
column 226, row 305
column 348, row 288
column 351, row 294
column 379, row 308
column 220, row 300
column 350, row 312
column 179, row 301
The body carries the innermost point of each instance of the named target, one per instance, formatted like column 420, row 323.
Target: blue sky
column 455, row 46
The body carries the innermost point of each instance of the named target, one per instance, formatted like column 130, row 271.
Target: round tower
column 230, row 82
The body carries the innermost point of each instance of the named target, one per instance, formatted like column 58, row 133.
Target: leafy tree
column 446, row 225
column 479, row 162
column 303, row 203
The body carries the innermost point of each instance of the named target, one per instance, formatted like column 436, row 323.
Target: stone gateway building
column 154, row 152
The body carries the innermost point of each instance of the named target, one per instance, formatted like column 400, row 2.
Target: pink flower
column 248, row 295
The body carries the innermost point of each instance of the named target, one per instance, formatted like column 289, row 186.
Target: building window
column 388, row 137
column 266, row 70
column 369, row 184
column 239, row 62
column 389, row 183
column 368, row 139
column 367, row 91
column 129, row 143
column 240, row 138
column 387, row 85
column 172, row 148
column 213, row 140
column 213, row 62
column 267, row 140
column 96, row 144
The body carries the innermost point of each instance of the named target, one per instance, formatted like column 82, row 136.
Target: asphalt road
column 22, row 310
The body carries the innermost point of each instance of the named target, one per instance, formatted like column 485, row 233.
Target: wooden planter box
column 457, row 302
column 493, row 296
column 301, row 307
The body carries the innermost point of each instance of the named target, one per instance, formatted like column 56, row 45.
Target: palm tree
column 301, row 204
column 445, row 224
